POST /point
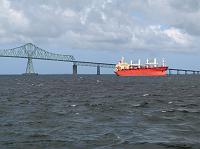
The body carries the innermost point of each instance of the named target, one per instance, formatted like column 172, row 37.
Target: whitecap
column 98, row 81
column 145, row 95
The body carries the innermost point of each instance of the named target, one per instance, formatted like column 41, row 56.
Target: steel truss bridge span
column 31, row 51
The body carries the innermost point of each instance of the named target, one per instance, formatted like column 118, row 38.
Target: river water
column 99, row 112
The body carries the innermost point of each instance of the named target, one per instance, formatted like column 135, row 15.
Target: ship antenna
column 122, row 59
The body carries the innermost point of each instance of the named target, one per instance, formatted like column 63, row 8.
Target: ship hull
column 155, row 71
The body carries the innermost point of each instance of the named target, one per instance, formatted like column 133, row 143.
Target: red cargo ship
column 149, row 69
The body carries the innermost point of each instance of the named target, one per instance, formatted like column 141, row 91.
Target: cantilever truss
column 30, row 52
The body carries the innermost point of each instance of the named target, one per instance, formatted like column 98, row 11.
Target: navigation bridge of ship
column 30, row 51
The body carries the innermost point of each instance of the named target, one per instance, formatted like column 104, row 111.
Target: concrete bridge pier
column 74, row 69
column 178, row 72
column 98, row 70
column 185, row 72
column 169, row 72
column 194, row 72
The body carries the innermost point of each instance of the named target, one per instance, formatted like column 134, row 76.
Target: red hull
column 154, row 71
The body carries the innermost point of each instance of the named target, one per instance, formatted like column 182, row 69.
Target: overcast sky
column 102, row 30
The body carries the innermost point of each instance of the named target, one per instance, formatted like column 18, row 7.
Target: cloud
column 103, row 25
column 13, row 23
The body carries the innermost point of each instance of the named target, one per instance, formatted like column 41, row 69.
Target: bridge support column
column 198, row 72
column 194, row 72
column 29, row 67
column 98, row 70
column 74, row 69
column 169, row 72
column 185, row 72
column 178, row 72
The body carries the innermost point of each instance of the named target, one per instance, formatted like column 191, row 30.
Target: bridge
column 30, row 51
column 184, row 71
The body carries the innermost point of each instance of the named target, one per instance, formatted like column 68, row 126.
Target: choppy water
column 99, row 112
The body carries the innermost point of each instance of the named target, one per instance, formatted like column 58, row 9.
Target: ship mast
column 155, row 62
column 151, row 63
column 163, row 62
column 147, row 62
column 139, row 63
